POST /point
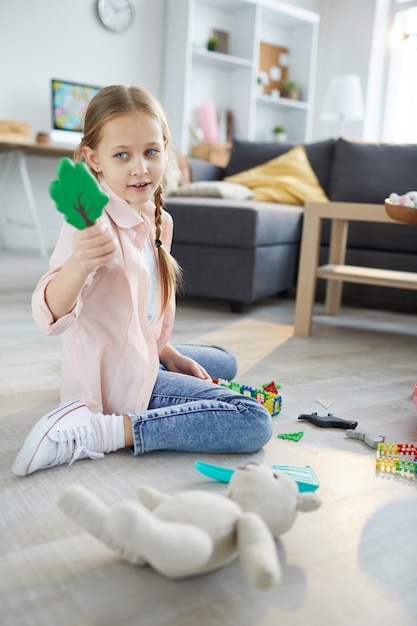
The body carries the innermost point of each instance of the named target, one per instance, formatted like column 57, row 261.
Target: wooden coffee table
column 335, row 272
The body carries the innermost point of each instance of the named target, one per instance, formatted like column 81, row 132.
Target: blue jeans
column 189, row 414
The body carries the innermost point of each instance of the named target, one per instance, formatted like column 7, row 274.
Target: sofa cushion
column 246, row 154
column 232, row 223
column 288, row 178
column 369, row 172
column 215, row 189
column 237, row 274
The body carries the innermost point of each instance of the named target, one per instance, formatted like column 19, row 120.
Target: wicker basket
column 216, row 153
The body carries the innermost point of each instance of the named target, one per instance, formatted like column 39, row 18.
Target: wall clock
column 116, row 15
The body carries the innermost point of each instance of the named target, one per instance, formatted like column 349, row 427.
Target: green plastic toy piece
column 77, row 194
column 292, row 436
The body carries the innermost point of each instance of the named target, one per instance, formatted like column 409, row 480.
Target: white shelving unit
column 194, row 76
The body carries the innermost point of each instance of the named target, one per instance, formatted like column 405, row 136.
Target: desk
column 336, row 272
column 18, row 152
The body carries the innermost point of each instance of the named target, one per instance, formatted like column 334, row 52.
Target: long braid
column 169, row 268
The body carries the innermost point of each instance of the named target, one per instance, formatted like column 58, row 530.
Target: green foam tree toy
column 77, row 194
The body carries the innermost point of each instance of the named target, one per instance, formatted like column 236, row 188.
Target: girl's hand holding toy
column 78, row 196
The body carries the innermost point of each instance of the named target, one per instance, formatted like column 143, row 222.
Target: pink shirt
column 110, row 351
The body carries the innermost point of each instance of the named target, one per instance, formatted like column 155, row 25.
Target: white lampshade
column 343, row 101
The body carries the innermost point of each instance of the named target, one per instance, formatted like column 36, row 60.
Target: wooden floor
column 352, row 562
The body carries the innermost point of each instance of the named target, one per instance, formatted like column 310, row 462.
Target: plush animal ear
column 308, row 502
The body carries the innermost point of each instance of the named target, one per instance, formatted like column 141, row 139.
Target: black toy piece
column 327, row 421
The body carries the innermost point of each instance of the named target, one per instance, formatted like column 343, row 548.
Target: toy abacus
column 268, row 395
column 397, row 457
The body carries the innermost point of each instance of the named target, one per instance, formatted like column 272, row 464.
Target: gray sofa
column 242, row 251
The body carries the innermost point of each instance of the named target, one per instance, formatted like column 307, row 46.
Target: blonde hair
column 107, row 104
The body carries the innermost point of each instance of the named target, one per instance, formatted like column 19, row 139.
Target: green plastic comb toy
column 77, row 194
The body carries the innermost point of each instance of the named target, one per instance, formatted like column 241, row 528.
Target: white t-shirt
column 149, row 261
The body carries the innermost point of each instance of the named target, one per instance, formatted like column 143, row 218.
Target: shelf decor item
column 222, row 38
column 279, row 134
column 212, row 44
column 15, row 132
column 262, row 81
column 236, row 54
column 270, row 64
column 208, row 122
column 290, row 89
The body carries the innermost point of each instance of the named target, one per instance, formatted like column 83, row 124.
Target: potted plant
column 290, row 89
column 212, row 44
column 279, row 133
column 262, row 81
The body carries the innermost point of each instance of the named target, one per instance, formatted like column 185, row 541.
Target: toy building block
column 268, row 395
column 273, row 404
column 395, row 458
column 405, row 468
column 76, row 194
column 291, row 436
column 259, row 396
column 245, row 390
column 272, row 387
column 392, row 449
column 221, row 381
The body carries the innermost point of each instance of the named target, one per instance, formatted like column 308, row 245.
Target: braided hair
column 107, row 104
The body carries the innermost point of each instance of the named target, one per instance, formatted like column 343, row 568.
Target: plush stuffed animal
column 194, row 531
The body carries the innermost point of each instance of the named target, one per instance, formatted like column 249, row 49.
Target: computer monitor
column 69, row 102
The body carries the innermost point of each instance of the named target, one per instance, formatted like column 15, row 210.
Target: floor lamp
column 343, row 101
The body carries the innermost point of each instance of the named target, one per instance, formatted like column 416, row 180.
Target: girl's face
column 130, row 156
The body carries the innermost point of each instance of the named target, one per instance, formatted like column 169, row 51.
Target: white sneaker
column 62, row 436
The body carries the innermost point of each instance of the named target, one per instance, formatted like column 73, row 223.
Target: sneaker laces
column 75, row 443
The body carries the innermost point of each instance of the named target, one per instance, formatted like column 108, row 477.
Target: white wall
column 44, row 39
column 345, row 44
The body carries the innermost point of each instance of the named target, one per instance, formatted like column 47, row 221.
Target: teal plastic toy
column 305, row 477
column 76, row 194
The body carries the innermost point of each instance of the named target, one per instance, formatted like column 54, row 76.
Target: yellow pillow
column 288, row 178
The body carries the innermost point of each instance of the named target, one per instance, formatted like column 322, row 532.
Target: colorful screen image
column 69, row 102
